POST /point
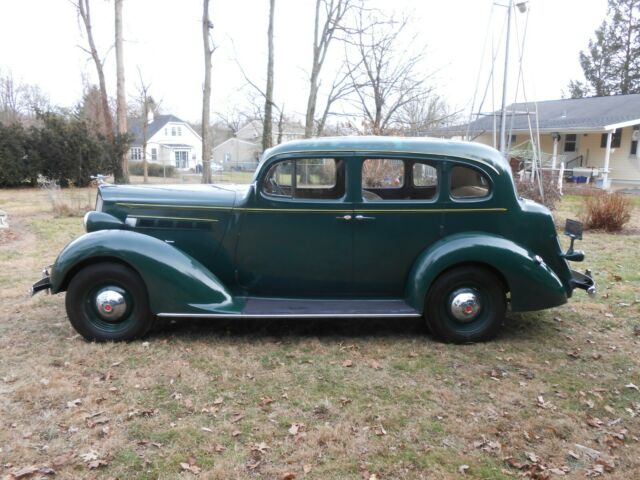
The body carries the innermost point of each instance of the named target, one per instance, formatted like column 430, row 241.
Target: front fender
column 176, row 282
column 533, row 285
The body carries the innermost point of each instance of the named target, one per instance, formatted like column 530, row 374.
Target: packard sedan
column 335, row 227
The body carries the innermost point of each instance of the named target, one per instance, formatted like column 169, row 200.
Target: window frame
column 574, row 142
column 292, row 197
column 488, row 196
column 633, row 150
column 616, row 139
column 411, row 159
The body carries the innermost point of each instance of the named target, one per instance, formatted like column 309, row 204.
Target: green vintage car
column 333, row 227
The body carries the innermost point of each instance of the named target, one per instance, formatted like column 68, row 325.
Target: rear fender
column 176, row 282
column 533, row 285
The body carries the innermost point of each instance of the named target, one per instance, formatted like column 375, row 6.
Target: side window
column 382, row 173
column 307, row 178
column 468, row 183
column 399, row 179
column 424, row 175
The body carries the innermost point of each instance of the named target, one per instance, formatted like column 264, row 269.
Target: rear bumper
column 584, row 281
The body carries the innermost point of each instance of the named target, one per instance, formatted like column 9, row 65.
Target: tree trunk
column 121, row 104
column 84, row 9
column 145, row 130
column 313, row 80
column 267, row 129
column 206, row 94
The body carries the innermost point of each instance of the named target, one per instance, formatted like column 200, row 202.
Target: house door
column 182, row 158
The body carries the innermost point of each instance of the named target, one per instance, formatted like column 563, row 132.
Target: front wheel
column 108, row 302
column 466, row 304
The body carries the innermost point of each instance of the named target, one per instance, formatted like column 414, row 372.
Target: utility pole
column 503, row 118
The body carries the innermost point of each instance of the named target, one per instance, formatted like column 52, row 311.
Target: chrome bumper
column 43, row 284
column 584, row 281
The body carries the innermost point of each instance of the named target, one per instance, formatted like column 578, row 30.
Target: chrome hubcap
column 465, row 305
column 111, row 304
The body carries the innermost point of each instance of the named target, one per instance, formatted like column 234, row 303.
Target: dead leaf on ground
column 264, row 401
column 74, row 403
column 463, row 469
column 380, row 431
column 190, row 467
column 94, row 464
column 347, row 363
column 288, row 476
column 261, row 447
column 218, row 401
column 306, row 468
column 296, row 428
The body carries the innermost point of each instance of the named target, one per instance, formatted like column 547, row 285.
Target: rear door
column 396, row 218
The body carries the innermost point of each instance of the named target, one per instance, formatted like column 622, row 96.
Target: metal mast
column 503, row 119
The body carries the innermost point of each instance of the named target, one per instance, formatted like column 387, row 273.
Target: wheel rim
column 465, row 305
column 109, row 307
column 467, row 308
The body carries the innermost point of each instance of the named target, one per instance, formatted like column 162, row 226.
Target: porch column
column 607, row 155
column 554, row 158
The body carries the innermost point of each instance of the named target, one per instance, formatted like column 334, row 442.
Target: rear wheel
column 108, row 301
column 466, row 304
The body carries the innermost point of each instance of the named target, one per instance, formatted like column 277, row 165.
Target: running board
column 293, row 308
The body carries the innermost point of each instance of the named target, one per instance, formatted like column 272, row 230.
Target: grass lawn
column 555, row 395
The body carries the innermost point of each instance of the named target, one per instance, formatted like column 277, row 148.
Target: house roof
column 159, row 121
column 594, row 114
column 235, row 140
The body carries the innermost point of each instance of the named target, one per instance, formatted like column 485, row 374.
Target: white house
column 170, row 141
column 243, row 150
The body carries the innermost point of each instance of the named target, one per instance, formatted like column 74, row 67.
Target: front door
column 394, row 221
column 296, row 231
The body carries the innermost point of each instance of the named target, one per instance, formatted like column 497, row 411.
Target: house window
column 227, row 157
column 634, row 140
column 135, row 153
column 165, row 132
column 615, row 139
column 173, row 131
column 571, row 142
column 154, row 154
column 179, row 131
column 182, row 159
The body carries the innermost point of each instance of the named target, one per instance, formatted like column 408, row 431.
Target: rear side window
column 468, row 183
column 307, row 178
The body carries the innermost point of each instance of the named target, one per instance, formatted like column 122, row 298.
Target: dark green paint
column 236, row 241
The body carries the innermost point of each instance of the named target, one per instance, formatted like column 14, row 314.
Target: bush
column 62, row 149
column 607, row 211
column 153, row 169
column 531, row 190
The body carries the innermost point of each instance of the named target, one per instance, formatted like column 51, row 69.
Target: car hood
column 173, row 195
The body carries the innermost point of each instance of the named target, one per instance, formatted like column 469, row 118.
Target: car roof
column 409, row 145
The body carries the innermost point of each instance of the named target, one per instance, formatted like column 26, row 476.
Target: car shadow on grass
column 517, row 327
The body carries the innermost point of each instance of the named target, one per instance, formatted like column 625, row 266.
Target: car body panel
column 204, row 249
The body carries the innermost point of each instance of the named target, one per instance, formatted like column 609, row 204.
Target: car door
column 296, row 236
column 396, row 218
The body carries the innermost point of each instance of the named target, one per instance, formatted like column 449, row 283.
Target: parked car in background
column 343, row 227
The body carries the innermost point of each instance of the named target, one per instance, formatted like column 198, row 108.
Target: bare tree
column 83, row 7
column 209, row 48
column 20, row 102
column 334, row 12
column 422, row 114
column 121, row 175
column 147, row 105
column 384, row 79
column 267, row 129
column 341, row 88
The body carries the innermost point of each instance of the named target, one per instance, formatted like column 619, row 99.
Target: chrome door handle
column 345, row 217
column 362, row 218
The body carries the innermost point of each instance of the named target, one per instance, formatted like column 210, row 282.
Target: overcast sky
column 39, row 44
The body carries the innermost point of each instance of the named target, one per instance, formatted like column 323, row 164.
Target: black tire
column 483, row 312
column 115, row 280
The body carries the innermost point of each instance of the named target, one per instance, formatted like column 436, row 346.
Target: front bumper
column 43, row 284
column 584, row 281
